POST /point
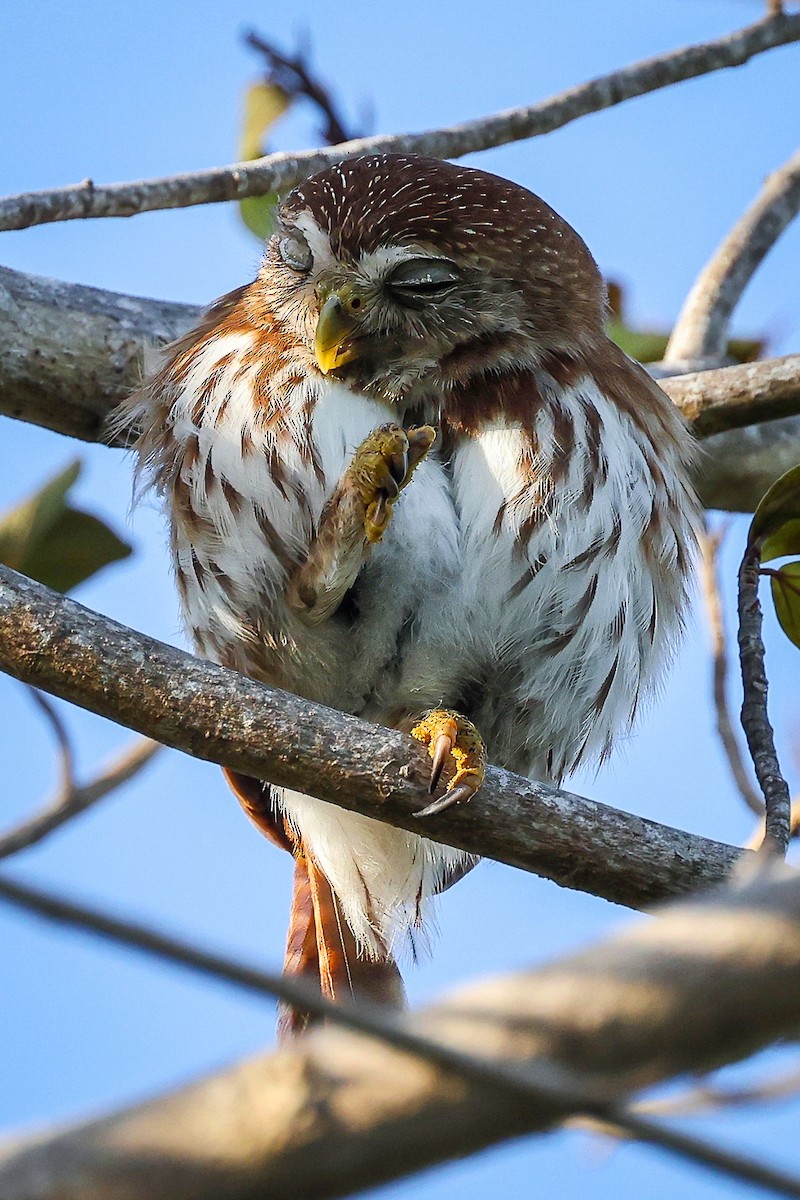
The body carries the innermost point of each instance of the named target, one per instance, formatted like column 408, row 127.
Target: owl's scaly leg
column 355, row 517
column 449, row 735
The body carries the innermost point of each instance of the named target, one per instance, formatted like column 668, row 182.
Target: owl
column 407, row 475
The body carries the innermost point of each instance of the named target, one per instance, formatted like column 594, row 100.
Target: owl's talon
column 449, row 735
column 382, row 465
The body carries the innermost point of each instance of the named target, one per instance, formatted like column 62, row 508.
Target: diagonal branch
column 278, row 172
column 701, row 331
column 73, row 798
column 215, row 714
column 541, row 1083
column 335, row 1111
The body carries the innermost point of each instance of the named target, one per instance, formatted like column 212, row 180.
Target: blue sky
column 130, row 90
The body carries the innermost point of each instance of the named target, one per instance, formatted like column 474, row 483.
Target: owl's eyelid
column 296, row 252
column 424, row 275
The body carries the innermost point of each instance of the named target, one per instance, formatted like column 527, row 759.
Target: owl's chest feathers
column 532, row 559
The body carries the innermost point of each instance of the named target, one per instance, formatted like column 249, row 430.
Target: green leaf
column 76, row 547
column 776, row 521
column 786, row 594
column 644, row 347
column 264, row 103
column 26, row 524
column 60, row 546
column 258, row 214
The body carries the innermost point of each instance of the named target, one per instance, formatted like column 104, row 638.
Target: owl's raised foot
column 382, row 466
column 449, row 735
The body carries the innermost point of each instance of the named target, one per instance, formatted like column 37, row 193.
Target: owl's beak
column 334, row 344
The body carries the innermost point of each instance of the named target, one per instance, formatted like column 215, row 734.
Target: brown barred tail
column 320, row 946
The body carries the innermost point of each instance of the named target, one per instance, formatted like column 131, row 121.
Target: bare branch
column 725, row 399
column 710, row 545
column 739, row 466
column 68, row 353
column 701, row 330
column 52, row 642
column 295, row 77
column 278, row 172
column 73, row 798
column 755, row 721
column 334, row 1111
column 65, row 753
column 540, row 1083
column 707, row 1097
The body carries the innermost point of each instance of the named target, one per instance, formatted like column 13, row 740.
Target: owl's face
column 402, row 275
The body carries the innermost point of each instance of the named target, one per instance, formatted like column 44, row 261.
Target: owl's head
column 406, row 273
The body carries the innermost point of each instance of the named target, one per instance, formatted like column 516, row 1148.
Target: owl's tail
column 320, row 946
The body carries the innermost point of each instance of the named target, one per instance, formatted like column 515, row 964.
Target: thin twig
column 755, row 721
column 701, row 331
column 51, row 641
column 710, row 544
column 278, row 172
column 536, row 1082
column 709, row 1098
column 73, row 798
column 66, row 757
column 294, row 76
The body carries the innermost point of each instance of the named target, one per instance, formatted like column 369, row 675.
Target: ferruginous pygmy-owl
column 408, row 475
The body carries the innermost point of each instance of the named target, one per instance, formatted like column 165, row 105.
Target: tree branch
column 732, row 397
column 755, row 719
column 334, row 1112
column 701, row 331
column 279, row 172
column 709, row 552
column 73, row 798
column 68, row 355
column 52, row 642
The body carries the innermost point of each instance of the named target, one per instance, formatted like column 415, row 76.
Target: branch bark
column 68, row 355
column 701, row 331
column 279, row 172
column 336, row 1111
column 57, row 645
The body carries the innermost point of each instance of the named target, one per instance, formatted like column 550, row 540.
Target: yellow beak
column 333, row 340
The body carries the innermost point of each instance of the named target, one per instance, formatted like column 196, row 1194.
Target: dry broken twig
column 294, row 76
column 701, row 331
column 334, row 1111
column 50, row 641
column 278, row 172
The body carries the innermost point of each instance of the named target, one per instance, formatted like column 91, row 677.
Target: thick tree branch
column 732, row 397
column 55, row 644
column 701, row 330
column 278, row 172
column 68, row 354
column 335, row 1111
